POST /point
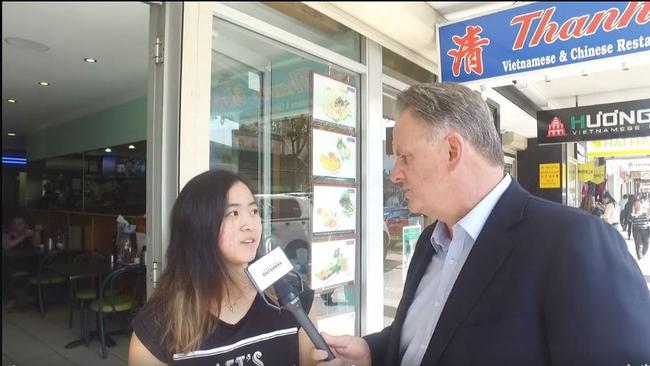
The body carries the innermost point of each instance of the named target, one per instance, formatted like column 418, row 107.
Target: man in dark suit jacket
column 529, row 282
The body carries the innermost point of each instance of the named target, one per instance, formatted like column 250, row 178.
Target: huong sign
column 596, row 122
column 541, row 35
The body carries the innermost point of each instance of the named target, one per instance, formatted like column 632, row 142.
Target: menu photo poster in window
column 334, row 209
column 332, row 263
column 333, row 102
column 333, row 154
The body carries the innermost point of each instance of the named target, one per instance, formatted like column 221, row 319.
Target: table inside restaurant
column 25, row 253
column 95, row 268
column 74, row 271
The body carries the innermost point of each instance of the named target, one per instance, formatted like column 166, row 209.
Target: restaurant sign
column 541, row 35
column 639, row 146
column 595, row 122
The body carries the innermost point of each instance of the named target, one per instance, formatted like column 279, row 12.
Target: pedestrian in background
column 627, row 210
column 612, row 211
column 640, row 228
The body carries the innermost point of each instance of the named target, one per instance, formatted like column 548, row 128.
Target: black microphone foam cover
column 285, row 291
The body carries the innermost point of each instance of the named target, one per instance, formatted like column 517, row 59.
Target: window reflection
column 397, row 218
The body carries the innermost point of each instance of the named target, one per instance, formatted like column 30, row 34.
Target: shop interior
column 74, row 127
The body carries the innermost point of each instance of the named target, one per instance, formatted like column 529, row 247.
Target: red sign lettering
column 470, row 51
column 576, row 27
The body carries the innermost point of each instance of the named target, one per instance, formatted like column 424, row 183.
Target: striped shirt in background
column 640, row 221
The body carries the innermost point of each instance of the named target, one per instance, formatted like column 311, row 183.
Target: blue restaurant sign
column 541, row 35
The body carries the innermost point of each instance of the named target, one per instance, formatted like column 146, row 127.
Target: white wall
column 602, row 98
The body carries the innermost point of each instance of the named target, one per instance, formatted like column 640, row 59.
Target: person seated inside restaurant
column 19, row 235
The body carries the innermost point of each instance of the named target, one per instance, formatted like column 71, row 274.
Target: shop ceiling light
column 131, row 147
column 108, row 149
column 43, row 83
column 624, row 66
column 11, row 134
column 547, row 78
column 90, row 60
column 11, row 101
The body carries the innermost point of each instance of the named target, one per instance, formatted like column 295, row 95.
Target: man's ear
column 456, row 147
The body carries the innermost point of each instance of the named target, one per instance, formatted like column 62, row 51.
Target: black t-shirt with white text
column 263, row 337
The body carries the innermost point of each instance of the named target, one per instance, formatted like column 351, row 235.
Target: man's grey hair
column 449, row 107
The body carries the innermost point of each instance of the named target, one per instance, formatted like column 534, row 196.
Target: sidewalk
column 644, row 263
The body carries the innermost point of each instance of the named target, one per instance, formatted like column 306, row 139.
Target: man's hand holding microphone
column 349, row 351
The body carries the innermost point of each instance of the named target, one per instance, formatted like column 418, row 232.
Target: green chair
column 86, row 294
column 45, row 278
column 112, row 300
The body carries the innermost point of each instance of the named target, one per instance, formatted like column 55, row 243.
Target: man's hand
column 348, row 350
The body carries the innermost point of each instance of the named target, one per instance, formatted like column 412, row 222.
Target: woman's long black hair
column 194, row 281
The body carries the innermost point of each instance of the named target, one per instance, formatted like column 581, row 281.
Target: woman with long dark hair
column 611, row 214
column 204, row 310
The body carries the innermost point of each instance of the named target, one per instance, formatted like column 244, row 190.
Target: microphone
column 290, row 301
column 271, row 270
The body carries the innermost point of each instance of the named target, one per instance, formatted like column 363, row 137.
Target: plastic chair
column 112, row 301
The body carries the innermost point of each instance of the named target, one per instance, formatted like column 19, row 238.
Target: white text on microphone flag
column 265, row 271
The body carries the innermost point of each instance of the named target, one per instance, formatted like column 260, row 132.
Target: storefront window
column 401, row 227
column 288, row 122
column 306, row 22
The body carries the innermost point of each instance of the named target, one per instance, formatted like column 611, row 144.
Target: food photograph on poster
column 334, row 155
column 333, row 101
column 334, row 209
column 332, row 263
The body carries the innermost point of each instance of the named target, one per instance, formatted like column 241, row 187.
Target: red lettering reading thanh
column 609, row 23
column 642, row 7
column 526, row 21
column 545, row 28
column 576, row 27
column 644, row 14
column 578, row 24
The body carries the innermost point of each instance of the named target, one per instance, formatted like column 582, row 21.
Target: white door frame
column 162, row 130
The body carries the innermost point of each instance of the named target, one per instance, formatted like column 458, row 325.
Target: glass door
column 288, row 122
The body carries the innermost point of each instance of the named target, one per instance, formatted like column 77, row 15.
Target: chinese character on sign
column 469, row 50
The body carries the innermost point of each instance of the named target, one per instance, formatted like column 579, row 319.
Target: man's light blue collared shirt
column 441, row 274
